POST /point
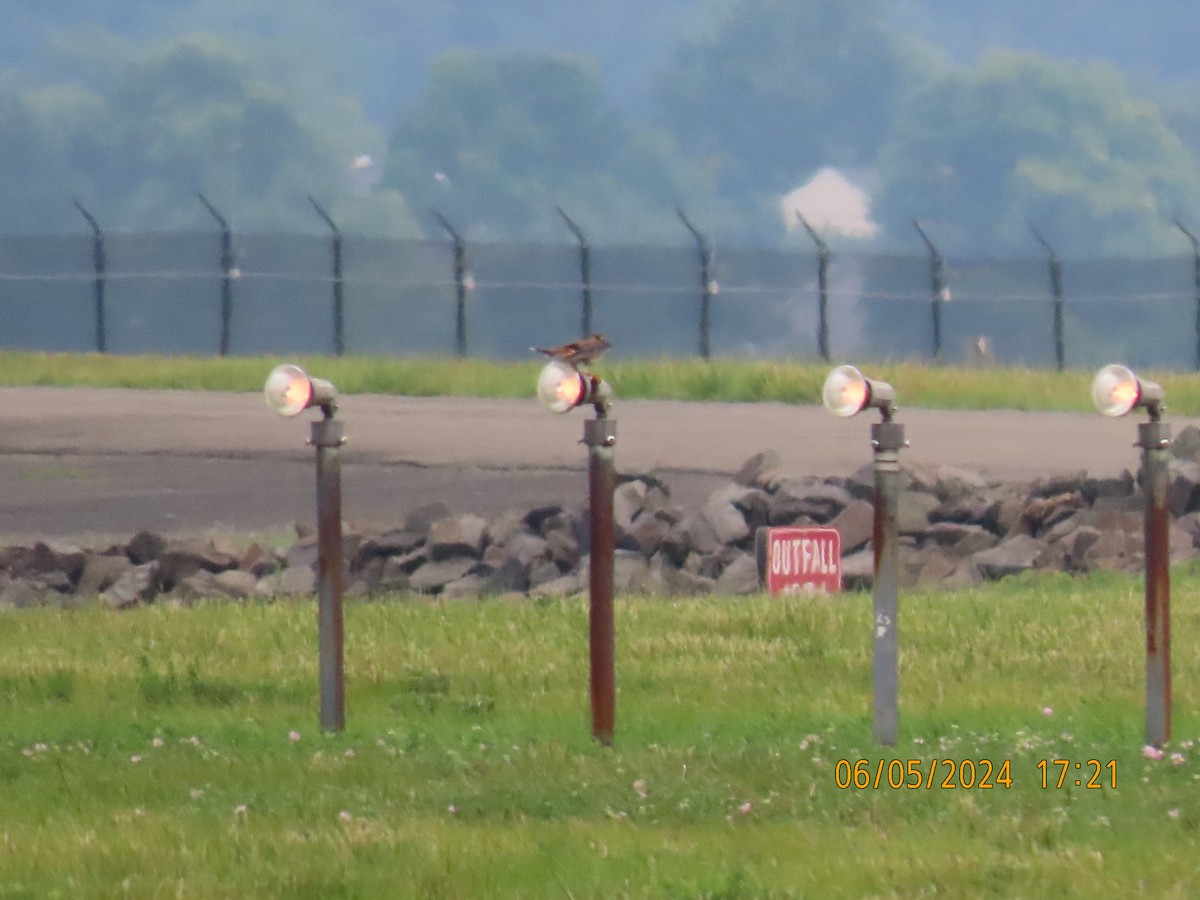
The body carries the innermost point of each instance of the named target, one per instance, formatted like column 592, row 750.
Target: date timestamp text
column 968, row 774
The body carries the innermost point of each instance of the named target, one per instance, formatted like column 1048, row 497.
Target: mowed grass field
column 175, row 752
column 168, row 752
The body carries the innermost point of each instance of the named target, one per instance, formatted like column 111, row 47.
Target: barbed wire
column 717, row 290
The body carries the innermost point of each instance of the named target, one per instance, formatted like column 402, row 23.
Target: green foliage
column 499, row 141
column 983, row 152
column 1115, row 30
column 772, row 91
column 134, row 106
column 139, row 130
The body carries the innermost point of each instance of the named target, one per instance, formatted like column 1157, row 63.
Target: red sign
column 800, row 560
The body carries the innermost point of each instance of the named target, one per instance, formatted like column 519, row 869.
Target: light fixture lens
column 288, row 390
column 560, row 387
column 846, row 391
column 1116, row 390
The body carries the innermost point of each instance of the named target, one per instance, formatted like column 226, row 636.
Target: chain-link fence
column 175, row 294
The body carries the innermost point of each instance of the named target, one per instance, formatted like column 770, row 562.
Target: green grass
column 918, row 384
column 171, row 752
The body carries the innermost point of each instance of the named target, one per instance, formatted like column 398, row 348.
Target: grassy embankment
column 917, row 384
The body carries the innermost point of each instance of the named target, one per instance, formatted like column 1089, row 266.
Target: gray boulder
column 727, row 521
column 462, row 535
column 759, row 470
column 739, row 577
column 100, row 572
column 855, row 525
column 136, row 586
column 1016, row 554
column 433, row 576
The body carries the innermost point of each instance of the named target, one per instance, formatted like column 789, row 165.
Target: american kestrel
column 578, row 353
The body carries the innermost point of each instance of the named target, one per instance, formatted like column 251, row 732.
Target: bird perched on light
column 578, row 353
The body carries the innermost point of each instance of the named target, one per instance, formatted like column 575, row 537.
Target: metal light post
column 290, row 391
column 561, row 387
column 847, row 392
column 1116, row 390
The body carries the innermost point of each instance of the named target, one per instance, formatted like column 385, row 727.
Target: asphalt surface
column 94, row 464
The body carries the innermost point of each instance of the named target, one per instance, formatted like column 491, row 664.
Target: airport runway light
column 289, row 391
column 562, row 387
column 847, row 392
column 1116, row 391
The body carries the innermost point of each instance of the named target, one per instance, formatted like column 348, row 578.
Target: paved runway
column 93, row 463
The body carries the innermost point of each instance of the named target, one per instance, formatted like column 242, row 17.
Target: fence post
column 1196, row 280
column 705, row 254
column 460, row 285
column 100, row 267
column 1056, row 291
column 226, row 273
column 822, row 289
column 585, row 271
column 339, row 320
column 937, row 287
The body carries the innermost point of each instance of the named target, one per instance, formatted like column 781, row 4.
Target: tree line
column 134, row 116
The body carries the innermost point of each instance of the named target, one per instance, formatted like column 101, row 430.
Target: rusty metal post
column 100, row 268
column 226, row 273
column 460, row 285
column 585, row 272
column 600, row 436
column 822, row 289
column 327, row 437
column 1056, row 292
column 887, row 439
column 1154, row 437
column 706, row 292
column 339, row 305
column 1195, row 281
column 937, row 288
